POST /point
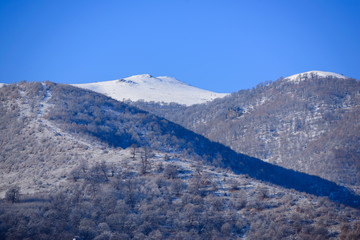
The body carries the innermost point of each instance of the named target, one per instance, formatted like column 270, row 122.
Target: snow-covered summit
column 311, row 74
column 149, row 88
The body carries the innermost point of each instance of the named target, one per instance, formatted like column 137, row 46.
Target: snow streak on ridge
column 311, row 74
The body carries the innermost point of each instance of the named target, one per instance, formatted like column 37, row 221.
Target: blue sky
column 223, row 46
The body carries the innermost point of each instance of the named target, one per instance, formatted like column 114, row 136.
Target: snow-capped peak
column 149, row 88
column 148, row 79
column 313, row 74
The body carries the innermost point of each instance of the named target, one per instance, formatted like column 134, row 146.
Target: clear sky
column 222, row 45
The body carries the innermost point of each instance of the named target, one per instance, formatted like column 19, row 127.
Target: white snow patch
column 148, row 88
column 2, row 84
column 296, row 78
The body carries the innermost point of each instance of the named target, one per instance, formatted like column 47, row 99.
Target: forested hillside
column 77, row 164
column 310, row 125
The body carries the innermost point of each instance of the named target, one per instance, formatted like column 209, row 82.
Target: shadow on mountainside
column 118, row 124
column 291, row 179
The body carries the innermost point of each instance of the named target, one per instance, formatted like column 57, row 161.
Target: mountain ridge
column 148, row 88
column 96, row 118
column 312, row 75
column 66, row 175
column 300, row 126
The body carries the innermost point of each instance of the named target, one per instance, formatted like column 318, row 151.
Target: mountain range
column 276, row 161
column 307, row 122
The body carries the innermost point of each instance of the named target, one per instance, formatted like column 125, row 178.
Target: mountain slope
column 65, row 148
column 95, row 119
column 307, row 122
column 148, row 88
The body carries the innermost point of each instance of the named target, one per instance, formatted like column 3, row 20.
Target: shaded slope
column 119, row 124
column 96, row 119
column 307, row 123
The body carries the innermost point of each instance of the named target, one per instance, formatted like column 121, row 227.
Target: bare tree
column 146, row 154
column 176, row 186
column 13, row 194
column 104, row 170
column 171, row 171
column 133, row 150
column 98, row 173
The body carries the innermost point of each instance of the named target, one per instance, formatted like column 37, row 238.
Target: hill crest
column 296, row 78
column 145, row 87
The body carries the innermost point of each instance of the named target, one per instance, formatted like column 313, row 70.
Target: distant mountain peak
column 149, row 88
column 296, row 78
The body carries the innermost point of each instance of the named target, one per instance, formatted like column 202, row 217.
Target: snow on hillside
column 149, row 88
column 302, row 76
column 2, row 84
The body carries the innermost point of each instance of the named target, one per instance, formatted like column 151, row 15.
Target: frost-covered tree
column 13, row 194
